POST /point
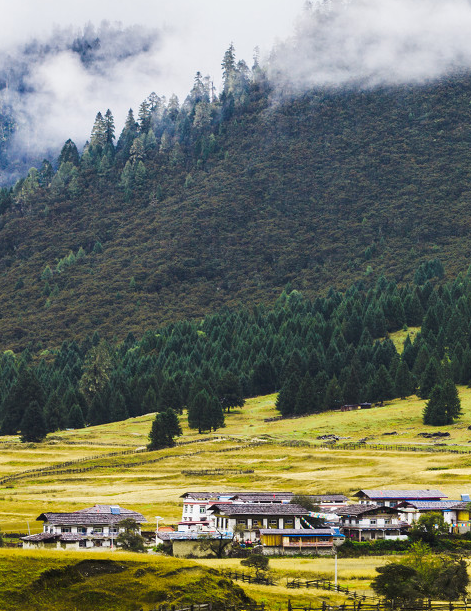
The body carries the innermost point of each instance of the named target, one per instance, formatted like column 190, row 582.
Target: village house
column 290, row 542
column 455, row 513
column 96, row 526
column 197, row 517
column 391, row 498
column 368, row 522
column 250, row 518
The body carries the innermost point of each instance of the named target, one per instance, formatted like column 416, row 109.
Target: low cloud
column 374, row 42
column 53, row 88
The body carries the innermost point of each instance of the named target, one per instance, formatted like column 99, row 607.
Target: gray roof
column 266, row 509
column 405, row 495
column 263, row 497
column 360, row 509
column 249, row 496
column 298, row 532
column 328, row 498
column 431, row 505
column 99, row 514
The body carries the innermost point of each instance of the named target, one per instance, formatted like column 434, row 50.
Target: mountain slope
column 319, row 190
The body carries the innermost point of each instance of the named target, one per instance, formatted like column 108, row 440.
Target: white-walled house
column 250, row 518
column 410, row 511
column 96, row 526
column 368, row 522
column 196, row 515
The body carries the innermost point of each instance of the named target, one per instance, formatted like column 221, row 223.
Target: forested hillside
column 224, row 200
column 319, row 354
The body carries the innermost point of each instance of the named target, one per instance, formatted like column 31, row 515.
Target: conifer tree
column 403, row 381
column 229, row 391
column 434, row 412
column 75, row 417
column 429, row 378
column 165, row 427
column 33, row 425
column 306, row 402
column 109, row 127
column 199, row 412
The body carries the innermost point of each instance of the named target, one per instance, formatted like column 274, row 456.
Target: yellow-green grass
column 142, row 581
column 399, row 337
column 154, row 489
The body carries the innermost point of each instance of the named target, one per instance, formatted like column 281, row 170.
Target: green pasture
column 283, row 455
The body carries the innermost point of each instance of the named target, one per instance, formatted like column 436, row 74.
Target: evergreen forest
column 319, row 354
column 222, row 200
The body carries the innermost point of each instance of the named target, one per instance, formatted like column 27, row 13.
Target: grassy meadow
column 283, row 454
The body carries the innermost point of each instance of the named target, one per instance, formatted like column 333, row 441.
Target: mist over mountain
column 366, row 43
column 59, row 82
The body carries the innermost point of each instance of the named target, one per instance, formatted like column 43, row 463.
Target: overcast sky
column 195, row 32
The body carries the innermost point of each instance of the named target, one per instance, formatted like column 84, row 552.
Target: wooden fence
column 248, row 578
column 209, row 607
column 394, row 448
column 72, row 467
column 324, row 584
column 205, row 472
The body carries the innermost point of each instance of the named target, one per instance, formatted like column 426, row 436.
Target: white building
column 96, row 526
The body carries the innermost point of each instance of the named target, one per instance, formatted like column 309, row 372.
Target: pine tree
column 229, row 391
column 434, row 412
column 165, row 427
column 98, row 135
column 33, row 426
column 199, row 412
column 403, row 381
column 451, row 400
column 109, row 127
column 429, row 378
column 75, row 417
column 306, row 402
column 333, row 398
column 69, row 153
column 382, row 386
column 25, row 390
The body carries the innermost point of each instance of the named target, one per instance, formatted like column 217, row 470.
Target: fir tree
column 33, row 425
column 403, row 380
column 75, row 417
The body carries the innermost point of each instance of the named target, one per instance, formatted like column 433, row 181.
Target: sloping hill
column 323, row 189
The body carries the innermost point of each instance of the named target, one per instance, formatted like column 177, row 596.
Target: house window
column 98, row 530
column 242, row 522
column 387, row 521
column 113, row 530
column 273, row 523
column 372, row 522
column 288, row 523
column 202, row 509
column 65, row 529
column 255, row 523
column 82, row 530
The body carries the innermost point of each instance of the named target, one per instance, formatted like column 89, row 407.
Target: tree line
column 319, row 354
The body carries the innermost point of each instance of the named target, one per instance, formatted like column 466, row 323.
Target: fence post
column 289, row 605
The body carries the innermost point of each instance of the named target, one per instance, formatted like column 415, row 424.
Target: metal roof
column 99, row 514
column 406, row 495
column 266, row 509
column 360, row 509
column 431, row 505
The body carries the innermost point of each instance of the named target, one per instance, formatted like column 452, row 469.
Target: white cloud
column 377, row 42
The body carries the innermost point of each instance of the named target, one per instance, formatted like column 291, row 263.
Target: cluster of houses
column 273, row 520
